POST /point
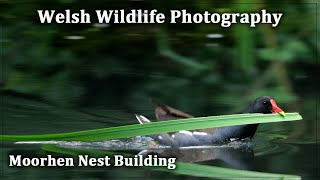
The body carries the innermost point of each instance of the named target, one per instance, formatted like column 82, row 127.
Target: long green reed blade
column 182, row 168
column 225, row 173
column 157, row 127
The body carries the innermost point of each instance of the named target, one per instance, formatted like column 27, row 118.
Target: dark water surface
column 282, row 150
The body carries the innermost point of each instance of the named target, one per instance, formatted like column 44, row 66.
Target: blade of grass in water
column 225, row 173
column 157, row 127
column 182, row 168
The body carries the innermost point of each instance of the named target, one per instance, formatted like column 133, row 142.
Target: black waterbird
column 264, row 104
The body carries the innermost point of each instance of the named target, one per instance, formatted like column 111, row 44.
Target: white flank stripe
column 200, row 133
column 186, row 132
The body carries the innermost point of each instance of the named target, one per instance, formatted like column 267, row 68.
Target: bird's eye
column 265, row 102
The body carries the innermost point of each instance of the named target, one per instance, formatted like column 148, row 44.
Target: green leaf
column 225, row 173
column 182, row 168
column 288, row 52
column 157, row 127
column 276, row 54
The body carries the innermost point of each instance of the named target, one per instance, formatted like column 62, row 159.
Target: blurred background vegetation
column 69, row 77
column 203, row 69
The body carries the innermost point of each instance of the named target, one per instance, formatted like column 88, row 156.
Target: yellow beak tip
column 282, row 113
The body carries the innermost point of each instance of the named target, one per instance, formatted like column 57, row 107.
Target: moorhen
column 264, row 104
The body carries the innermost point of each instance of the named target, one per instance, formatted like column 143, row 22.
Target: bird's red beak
column 275, row 108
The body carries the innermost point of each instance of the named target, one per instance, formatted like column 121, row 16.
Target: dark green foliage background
column 50, row 83
column 121, row 66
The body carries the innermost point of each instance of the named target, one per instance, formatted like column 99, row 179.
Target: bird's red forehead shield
column 275, row 108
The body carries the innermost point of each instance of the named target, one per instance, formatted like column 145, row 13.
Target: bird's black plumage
column 264, row 104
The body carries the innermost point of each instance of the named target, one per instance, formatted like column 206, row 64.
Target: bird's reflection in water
column 237, row 154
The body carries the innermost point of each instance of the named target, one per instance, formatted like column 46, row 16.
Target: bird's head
column 266, row 105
